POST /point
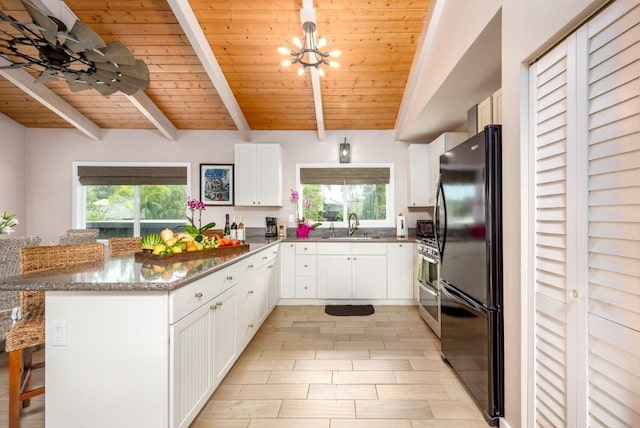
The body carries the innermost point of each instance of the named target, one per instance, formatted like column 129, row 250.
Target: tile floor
column 308, row 369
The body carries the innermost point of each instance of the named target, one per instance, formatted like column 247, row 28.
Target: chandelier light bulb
column 320, row 71
column 297, row 42
column 284, row 51
column 334, row 64
column 285, row 62
column 301, row 71
column 322, row 42
column 335, row 53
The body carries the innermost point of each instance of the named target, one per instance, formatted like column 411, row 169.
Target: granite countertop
column 126, row 274
column 358, row 238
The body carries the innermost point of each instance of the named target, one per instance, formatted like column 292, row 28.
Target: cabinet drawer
column 334, row 248
column 306, row 287
column 305, row 247
column 266, row 256
column 306, row 265
column 186, row 299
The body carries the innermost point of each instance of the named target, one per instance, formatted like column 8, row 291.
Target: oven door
column 429, row 294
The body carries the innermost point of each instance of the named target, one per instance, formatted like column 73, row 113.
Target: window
column 130, row 200
column 329, row 193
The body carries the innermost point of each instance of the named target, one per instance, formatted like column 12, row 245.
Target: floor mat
column 349, row 310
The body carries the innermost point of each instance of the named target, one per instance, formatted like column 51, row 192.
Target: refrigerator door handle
column 445, row 288
column 440, row 240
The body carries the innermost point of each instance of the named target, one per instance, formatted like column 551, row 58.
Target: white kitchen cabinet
column 437, row 147
column 306, row 267
column 496, row 104
column 287, row 270
column 192, row 350
column 334, row 276
column 226, row 350
column 485, row 114
column 400, row 258
column 258, row 175
column 369, row 277
column 418, row 176
column 352, row 271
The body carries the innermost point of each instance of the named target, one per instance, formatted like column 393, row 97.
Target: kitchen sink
column 351, row 238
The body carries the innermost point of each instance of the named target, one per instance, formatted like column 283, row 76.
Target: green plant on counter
column 7, row 223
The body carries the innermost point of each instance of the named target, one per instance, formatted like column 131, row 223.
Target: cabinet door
column 418, row 175
column 496, row 102
column 247, row 311
column 287, row 270
column 191, row 368
column 485, row 114
column 269, row 175
column 436, row 148
column 369, row 277
column 334, row 277
column 400, row 258
column 245, row 175
column 225, row 326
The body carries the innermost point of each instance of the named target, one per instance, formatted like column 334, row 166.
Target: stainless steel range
column 428, row 275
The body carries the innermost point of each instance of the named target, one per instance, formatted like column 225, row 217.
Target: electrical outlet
column 290, row 218
column 59, row 333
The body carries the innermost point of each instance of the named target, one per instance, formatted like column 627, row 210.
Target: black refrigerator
column 469, row 235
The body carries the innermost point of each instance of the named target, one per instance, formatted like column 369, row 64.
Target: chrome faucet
column 331, row 230
column 353, row 225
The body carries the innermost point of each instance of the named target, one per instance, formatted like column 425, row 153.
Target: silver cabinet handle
column 270, row 266
column 198, row 295
column 218, row 303
column 250, row 266
column 250, row 291
column 251, row 325
column 229, row 278
column 213, row 307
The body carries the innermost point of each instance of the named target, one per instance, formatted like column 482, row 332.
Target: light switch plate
column 59, row 333
column 290, row 218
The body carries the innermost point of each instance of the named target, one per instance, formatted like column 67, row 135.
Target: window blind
column 134, row 175
column 342, row 176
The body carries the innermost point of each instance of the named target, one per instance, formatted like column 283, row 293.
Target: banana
column 185, row 237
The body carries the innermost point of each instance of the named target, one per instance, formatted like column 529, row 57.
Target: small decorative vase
column 303, row 230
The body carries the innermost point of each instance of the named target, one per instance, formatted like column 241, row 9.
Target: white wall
column 528, row 28
column 13, row 171
column 52, row 151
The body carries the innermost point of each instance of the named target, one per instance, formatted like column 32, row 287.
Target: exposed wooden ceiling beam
column 49, row 99
column 308, row 14
column 189, row 23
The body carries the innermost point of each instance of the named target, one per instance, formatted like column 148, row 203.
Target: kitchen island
column 140, row 344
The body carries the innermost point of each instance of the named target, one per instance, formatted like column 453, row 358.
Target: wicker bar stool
column 124, row 246
column 30, row 330
column 10, row 266
column 79, row 236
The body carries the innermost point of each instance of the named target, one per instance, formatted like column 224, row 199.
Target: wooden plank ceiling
column 377, row 38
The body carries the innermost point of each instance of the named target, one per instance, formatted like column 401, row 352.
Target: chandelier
column 78, row 56
column 308, row 53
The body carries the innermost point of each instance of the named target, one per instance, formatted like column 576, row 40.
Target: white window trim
column 78, row 219
column 389, row 222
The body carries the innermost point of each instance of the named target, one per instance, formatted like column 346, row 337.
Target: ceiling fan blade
column 115, row 52
column 84, row 39
column 50, row 27
column 134, row 75
column 46, row 75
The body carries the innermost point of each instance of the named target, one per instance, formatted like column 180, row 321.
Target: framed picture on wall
column 216, row 184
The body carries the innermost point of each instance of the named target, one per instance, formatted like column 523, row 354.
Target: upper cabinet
column 490, row 111
column 258, row 175
column 424, row 168
column 418, row 176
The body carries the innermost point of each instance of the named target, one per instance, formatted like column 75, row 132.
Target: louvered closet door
column 552, row 85
column 585, row 163
column 613, row 46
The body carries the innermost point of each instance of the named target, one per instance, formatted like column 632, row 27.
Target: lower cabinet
column 205, row 343
column 352, row 271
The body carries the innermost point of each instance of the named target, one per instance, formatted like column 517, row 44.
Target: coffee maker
column 272, row 229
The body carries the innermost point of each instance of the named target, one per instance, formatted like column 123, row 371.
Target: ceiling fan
column 78, row 56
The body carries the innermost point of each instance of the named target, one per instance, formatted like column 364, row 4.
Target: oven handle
column 428, row 289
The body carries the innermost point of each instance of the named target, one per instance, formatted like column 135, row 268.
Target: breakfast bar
column 144, row 344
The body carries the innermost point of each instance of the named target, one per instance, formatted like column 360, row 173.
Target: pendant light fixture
column 308, row 53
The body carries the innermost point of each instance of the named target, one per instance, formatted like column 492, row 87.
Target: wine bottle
column 234, row 229
column 241, row 231
column 227, row 230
